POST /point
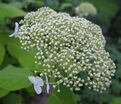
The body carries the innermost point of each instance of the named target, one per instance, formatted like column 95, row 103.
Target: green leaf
column 2, row 53
column 12, row 99
column 110, row 8
column 55, row 99
column 53, row 4
column 7, row 10
column 3, row 92
column 26, row 59
column 96, row 97
column 115, row 53
column 116, row 86
column 14, row 78
column 65, row 5
column 30, row 90
column 5, row 39
column 14, row 48
column 118, row 74
column 16, row 4
column 116, row 100
column 64, row 97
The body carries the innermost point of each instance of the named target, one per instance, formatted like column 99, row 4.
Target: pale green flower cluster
column 67, row 46
column 85, row 9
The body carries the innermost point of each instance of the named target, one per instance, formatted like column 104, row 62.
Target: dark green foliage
column 12, row 98
column 64, row 97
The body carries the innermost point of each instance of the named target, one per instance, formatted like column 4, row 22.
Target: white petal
column 47, row 84
column 12, row 35
column 48, row 88
column 37, row 89
column 16, row 27
column 15, row 30
column 39, row 81
column 32, row 79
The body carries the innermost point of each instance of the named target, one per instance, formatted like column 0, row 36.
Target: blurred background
column 105, row 13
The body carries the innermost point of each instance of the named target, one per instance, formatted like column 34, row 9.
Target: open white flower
column 37, row 82
column 15, row 30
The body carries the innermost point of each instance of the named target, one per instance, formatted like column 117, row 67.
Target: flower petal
column 37, row 89
column 32, row 80
column 39, row 81
column 15, row 30
column 16, row 27
column 47, row 84
column 11, row 35
column 48, row 88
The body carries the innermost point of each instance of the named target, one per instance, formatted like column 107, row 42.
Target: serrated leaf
column 7, row 10
column 64, row 97
column 3, row 92
column 2, row 53
column 14, row 78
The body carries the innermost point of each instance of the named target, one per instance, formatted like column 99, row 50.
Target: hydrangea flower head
column 66, row 48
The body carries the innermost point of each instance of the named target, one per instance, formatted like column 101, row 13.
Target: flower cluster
column 65, row 47
column 85, row 9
